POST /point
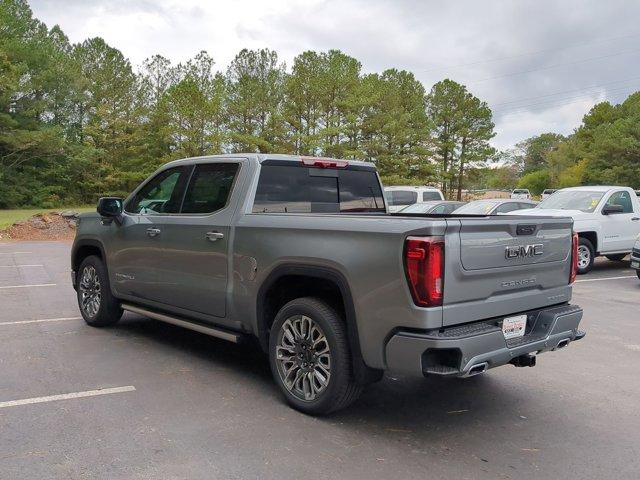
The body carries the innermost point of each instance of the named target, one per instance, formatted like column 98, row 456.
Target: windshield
column 477, row 207
column 401, row 197
column 586, row 201
column 419, row 208
column 521, row 191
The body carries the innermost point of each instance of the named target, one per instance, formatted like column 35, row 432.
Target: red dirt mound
column 44, row 226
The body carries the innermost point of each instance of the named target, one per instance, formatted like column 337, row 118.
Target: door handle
column 152, row 232
column 213, row 236
column 635, row 219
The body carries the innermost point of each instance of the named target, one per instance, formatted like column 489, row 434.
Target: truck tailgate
column 497, row 266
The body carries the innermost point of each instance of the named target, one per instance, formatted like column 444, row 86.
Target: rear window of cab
column 301, row 189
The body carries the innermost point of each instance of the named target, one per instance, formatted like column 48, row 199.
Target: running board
column 214, row 332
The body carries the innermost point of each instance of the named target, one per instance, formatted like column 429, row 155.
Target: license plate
column 513, row 327
column 635, row 264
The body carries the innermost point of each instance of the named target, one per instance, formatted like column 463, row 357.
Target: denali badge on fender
column 523, row 251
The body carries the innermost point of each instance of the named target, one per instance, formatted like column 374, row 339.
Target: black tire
column 108, row 310
column 617, row 257
column 341, row 388
column 638, row 273
column 586, row 268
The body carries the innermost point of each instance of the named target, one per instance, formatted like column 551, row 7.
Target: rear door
column 503, row 265
column 194, row 273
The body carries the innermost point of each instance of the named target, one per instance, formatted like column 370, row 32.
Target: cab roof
column 261, row 157
column 594, row 188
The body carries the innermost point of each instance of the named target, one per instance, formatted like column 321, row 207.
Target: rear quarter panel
column 366, row 250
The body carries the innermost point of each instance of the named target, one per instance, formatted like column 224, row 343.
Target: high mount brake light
column 575, row 240
column 324, row 162
column 424, row 267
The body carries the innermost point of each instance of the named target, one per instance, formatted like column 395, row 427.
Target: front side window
column 209, row 188
column 162, row 194
column 623, row 199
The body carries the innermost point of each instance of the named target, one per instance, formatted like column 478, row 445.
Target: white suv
column 521, row 194
column 399, row 197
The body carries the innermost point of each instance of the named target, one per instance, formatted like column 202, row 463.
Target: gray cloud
column 539, row 64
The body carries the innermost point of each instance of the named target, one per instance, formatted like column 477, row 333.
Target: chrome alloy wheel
column 90, row 291
column 303, row 357
column 584, row 257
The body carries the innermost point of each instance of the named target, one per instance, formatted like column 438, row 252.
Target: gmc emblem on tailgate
column 523, row 251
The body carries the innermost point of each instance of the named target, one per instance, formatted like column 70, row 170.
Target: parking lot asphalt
column 146, row 400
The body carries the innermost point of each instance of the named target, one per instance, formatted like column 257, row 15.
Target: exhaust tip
column 477, row 369
column 562, row 344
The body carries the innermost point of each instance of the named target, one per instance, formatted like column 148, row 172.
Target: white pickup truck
column 607, row 220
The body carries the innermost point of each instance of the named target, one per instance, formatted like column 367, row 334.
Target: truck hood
column 550, row 212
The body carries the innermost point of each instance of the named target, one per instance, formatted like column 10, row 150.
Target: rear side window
column 426, row 196
column 298, row 189
column 209, row 188
column 402, row 197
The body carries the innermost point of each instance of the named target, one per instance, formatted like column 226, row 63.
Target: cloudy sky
column 539, row 64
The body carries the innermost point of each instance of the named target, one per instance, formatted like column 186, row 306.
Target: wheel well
column 290, row 287
column 290, row 282
column 592, row 237
column 83, row 252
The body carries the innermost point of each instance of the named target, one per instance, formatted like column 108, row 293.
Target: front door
column 619, row 230
column 134, row 265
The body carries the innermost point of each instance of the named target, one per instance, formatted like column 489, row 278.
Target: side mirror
column 110, row 207
column 612, row 209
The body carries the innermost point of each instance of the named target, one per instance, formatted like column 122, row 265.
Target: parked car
column 606, row 218
column 635, row 256
column 399, row 197
column 547, row 192
column 493, row 206
column 435, row 207
column 521, row 194
column 301, row 254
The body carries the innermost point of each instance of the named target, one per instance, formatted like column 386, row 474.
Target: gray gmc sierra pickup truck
column 301, row 254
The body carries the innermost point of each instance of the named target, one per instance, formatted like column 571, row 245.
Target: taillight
column 324, row 162
column 424, row 266
column 574, row 257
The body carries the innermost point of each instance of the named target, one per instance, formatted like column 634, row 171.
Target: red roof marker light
column 324, row 162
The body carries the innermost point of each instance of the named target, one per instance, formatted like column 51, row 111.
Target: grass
column 9, row 217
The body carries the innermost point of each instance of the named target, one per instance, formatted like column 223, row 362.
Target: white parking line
column 16, row 266
column 42, row 320
column 29, row 286
column 605, row 278
column 12, row 253
column 67, row 396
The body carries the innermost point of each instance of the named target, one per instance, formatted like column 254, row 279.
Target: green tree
column 255, row 87
column 535, row 181
column 395, row 128
column 531, row 154
column 195, row 109
column 462, row 127
column 605, row 149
